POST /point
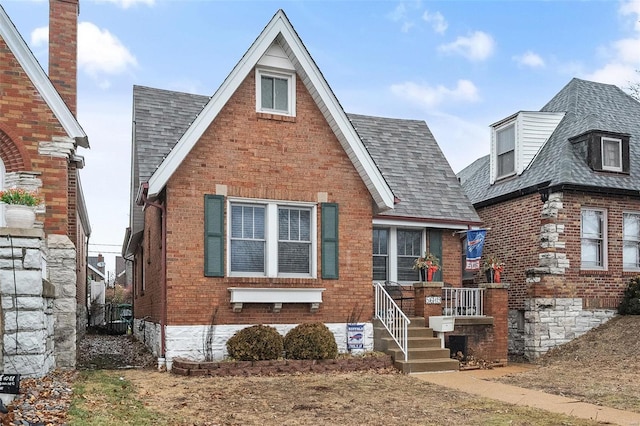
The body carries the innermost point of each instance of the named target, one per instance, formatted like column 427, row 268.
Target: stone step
column 420, row 354
column 424, row 366
column 411, row 331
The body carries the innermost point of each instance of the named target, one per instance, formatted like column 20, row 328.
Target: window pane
column 506, row 139
column 409, row 248
column 405, row 269
column 281, row 94
column 293, row 258
column 380, row 241
column 592, row 235
column 305, row 225
column 506, row 163
column 611, row 153
column 283, row 224
column 236, row 221
column 631, row 237
column 267, row 92
column 247, row 256
column 380, row 268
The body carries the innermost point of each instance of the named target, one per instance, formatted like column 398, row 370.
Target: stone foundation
column 550, row 322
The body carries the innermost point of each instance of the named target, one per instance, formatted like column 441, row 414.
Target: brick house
column 39, row 140
column 559, row 192
column 266, row 203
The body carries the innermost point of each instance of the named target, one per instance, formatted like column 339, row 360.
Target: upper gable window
column 611, row 154
column 275, row 92
column 506, row 150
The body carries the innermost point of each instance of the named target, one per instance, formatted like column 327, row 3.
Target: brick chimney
column 63, row 49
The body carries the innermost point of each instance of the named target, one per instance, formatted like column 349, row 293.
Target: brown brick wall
column 257, row 157
column 451, row 258
column 26, row 120
column 514, row 237
column 148, row 295
column 63, row 41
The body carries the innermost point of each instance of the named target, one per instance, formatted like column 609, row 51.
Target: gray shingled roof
column 404, row 150
column 588, row 106
column 419, row 175
column 160, row 117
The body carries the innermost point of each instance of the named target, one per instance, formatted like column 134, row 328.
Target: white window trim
column 605, row 244
column 393, row 249
column 625, row 268
column 291, row 87
column 515, row 149
column 271, row 237
column 611, row 168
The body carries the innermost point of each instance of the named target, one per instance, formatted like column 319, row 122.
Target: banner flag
column 475, row 244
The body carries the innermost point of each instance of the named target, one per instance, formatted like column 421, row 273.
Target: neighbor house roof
column 588, row 106
column 40, row 80
column 280, row 30
column 404, row 150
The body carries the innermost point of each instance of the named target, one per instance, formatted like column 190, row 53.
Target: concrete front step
column 425, row 351
column 424, row 366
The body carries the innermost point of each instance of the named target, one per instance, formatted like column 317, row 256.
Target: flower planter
column 19, row 216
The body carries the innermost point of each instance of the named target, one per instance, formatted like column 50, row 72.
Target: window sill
column 594, row 272
column 276, row 296
column 275, row 117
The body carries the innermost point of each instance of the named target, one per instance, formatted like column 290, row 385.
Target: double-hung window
column 611, row 154
column 631, row 241
column 593, row 232
column 275, row 92
column 506, row 150
column 380, row 254
column 409, row 248
column 272, row 239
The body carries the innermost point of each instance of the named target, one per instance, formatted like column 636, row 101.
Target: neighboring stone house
column 559, row 192
column 39, row 140
column 262, row 204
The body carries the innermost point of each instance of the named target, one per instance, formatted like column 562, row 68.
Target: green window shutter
column 435, row 247
column 329, row 218
column 214, row 236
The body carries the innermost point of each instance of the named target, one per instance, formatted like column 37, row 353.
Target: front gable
column 277, row 38
column 21, row 52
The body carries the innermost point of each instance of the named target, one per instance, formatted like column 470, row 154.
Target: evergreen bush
column 630, row 304
column 310, row 341
column 255, row 343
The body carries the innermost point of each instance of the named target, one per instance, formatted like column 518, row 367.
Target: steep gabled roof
column 279, row 29
column 40, row 80
column 417, row 171
column 588, row 106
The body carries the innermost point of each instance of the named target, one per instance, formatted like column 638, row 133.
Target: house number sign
column 433, row 300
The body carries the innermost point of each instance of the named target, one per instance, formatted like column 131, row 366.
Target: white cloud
column 400, row 14
column 631, row 7
column 125, row 4
column 530, row 59
column 478, row 46
column 614, row 73
column 430, row 97
column 437, row 21
column 40, row 36
column 99, row 51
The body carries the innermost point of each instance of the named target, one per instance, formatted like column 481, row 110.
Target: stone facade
column 550, row 322
column 28, row 305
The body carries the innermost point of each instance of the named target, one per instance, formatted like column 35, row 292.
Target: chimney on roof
column 63, row 49
column 100, row 263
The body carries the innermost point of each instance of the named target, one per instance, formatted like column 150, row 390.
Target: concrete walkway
column 478, row 382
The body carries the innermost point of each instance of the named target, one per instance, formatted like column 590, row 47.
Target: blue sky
column 458, row 65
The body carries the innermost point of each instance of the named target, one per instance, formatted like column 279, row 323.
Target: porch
column 422, row 326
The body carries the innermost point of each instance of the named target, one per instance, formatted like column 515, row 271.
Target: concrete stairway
column 425, row 353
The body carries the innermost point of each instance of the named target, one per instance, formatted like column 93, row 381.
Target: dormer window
column 604, row 151
column 611, row 154
column 275, row 92
column 506, row 150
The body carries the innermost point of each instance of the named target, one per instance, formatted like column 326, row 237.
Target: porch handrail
column 392, row 317
column 462, row 302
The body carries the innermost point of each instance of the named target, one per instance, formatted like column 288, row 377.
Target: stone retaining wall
column 255, row 368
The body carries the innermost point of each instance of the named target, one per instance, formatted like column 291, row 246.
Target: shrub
column 310, row 341
column 255, row 343
column 630, row 304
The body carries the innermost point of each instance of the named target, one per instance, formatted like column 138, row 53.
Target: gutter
column 143, row 200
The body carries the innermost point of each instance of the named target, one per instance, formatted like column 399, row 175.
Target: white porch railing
column 463, row 302
column 393, row 319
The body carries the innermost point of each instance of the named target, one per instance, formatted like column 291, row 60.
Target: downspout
column 163, row 269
